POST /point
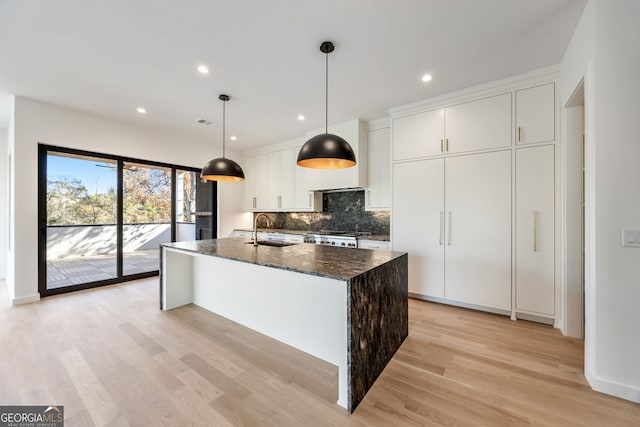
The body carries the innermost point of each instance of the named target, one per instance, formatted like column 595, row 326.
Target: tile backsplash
column 342, row 211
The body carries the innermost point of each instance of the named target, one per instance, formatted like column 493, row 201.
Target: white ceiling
column 109, row 57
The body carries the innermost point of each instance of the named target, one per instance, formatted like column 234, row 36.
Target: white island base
column 305, row 311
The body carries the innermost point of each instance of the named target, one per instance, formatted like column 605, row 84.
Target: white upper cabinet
column 280, row 166
column 303, row 199
column 273, row 181
column 418, row 135
column 260, row 175
column 287, row 159
column 535, row 114
column 478, row 125
column 378, row 194
column 249, row 166
column 354, row 132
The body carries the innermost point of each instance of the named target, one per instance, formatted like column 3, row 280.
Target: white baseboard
column 26, row 300
column 613, row 388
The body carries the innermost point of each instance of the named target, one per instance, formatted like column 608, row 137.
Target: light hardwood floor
column 111, row 357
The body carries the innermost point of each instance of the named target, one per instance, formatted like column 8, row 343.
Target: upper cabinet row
column 476, row 125
column 275, row 183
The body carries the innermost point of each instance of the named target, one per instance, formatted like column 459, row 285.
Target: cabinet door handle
column 535, row 231
column 254, row 202
column 279, row 201
column 449, row 230
column 442, row 145
column 440, row 228
column 310, row 195
column 519, row 134
column 446, row 145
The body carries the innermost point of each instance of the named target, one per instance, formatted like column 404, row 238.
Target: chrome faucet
column 255, row 227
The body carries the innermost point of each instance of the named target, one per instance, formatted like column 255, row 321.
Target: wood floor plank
column 203, row 388
column 228, row 386
column 101, row 407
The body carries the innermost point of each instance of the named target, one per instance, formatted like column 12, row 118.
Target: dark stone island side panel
column 379, row 323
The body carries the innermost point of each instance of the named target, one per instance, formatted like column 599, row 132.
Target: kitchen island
column 346, row 306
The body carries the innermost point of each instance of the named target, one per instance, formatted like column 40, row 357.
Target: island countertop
column 319, row 260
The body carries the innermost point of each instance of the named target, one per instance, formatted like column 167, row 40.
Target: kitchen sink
column 274, row 243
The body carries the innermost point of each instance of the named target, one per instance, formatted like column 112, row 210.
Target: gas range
column 347, row 239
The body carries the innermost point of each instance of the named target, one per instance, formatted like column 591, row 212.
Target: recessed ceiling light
column 426, row 78
column 141, row 110
column 233, row 138
column 203, row 69
column 300, row 116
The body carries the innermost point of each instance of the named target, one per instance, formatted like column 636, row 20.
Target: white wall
column 37, row 122
column 4, row 202
column 11, row 199
column 606, row 51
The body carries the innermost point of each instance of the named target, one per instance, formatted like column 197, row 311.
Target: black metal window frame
column 43, row 151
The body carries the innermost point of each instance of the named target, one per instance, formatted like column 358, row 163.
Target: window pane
column 186, row 205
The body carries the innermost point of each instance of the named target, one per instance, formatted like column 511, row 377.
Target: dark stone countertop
column 318, row 260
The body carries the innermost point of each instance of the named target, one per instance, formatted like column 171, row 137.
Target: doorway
column 103, row 217
column 575, row 219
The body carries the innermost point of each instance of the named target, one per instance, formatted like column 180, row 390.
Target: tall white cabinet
column 418, row 222
column 478, row 229
column 456, row 226
column 535, row 247
column 473, row 197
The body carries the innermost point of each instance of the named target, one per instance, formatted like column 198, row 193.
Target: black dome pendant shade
column 326, row 151
column 222, row 169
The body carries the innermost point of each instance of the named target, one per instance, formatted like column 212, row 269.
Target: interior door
column 417, row 223
column 478, row 229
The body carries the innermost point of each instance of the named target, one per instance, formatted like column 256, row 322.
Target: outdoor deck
column 74, row 271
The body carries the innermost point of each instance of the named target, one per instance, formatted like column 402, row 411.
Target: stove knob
column 333, row 243
column 343, row 244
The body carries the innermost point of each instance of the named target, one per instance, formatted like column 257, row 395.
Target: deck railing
column 73, row 241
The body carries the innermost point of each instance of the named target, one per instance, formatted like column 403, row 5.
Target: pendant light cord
column 224, row 121
column 326, row 93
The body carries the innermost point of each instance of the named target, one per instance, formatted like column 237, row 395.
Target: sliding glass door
column 103, row 217
column 81, row 232
column 146, row 216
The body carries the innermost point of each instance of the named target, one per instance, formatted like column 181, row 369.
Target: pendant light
column 222, row 169
column 326, row 151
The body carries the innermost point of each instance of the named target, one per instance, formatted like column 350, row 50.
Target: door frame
column 43, row 150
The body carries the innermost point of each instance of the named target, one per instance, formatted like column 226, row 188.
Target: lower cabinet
column 535, row 236
column 453, row 216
